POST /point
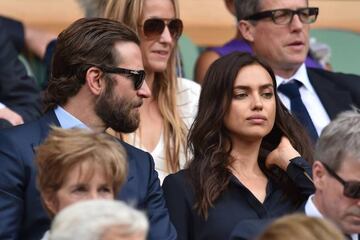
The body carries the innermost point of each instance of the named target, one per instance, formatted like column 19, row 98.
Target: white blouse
column 187, row 103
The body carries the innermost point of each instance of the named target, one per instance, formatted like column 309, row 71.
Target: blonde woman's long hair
column 165, row 83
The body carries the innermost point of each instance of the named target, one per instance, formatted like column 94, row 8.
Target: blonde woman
column 166, row 116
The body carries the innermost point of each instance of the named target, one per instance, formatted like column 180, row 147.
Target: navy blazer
column 337, row 91
column 22, row 215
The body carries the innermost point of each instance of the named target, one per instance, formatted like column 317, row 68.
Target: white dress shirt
column 316, row 110
column 187, row 102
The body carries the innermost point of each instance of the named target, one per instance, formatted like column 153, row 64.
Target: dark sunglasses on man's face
column 137, row 76
column 285, row 16
column 351, row 188
column 154, row 27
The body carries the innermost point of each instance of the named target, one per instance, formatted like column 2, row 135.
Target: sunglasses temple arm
column 308, row 176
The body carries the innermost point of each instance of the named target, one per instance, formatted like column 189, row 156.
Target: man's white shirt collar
column 300, row 75
column 67, row 120
column 310, row 208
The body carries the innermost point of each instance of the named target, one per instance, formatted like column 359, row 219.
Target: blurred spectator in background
column 77, row 164
column 19, row 94
column 93, row 8
column 99, row 220
column 301, row 227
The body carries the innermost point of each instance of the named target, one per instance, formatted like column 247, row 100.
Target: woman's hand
column 282, row 155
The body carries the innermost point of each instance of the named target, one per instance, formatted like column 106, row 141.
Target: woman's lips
column 256, row 119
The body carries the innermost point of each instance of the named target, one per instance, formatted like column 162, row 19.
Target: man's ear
column 318, row 171
column 94, row 80
column 247, row 30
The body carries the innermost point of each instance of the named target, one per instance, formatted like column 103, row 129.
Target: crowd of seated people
column 223, row 161
column 171, row 108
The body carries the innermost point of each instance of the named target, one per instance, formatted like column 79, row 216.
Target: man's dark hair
column 244, row 8
column 85, row 43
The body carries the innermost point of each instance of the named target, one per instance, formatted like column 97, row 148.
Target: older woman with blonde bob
column 77, row 164
column 166, row 116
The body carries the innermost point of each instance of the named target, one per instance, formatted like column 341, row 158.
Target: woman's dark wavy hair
column 85, row 43
column 209, row 140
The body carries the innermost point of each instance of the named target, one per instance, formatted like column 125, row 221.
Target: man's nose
column 144, row 91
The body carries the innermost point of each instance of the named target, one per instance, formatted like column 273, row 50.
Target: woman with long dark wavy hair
column 247, row 150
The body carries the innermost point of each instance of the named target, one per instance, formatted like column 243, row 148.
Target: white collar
column 300, row 75
column 310, row 209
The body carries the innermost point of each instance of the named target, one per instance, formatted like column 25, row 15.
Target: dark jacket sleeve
column 299, row 171
column 18, row 91
column 14, row 30
column 176, row 194
column 142, row 189
column 12, row 185
column 160, row 224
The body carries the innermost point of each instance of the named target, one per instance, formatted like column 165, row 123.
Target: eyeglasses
column 137, row 76
column 285, row 16
column 351, row 188
column 154, row 27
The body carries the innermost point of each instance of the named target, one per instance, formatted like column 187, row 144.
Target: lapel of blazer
column 333, row 99
column 47, row 120
column 131, row 190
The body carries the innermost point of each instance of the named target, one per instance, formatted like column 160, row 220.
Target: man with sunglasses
column 97, row 82
column 336, row 174
column 278, row 32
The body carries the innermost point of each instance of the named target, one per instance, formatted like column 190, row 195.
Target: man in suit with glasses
column 336, row 174
column 278, row 32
